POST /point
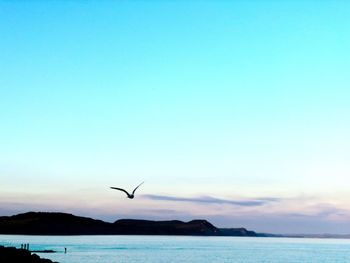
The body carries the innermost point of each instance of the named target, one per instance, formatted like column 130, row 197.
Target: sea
column 171, row 249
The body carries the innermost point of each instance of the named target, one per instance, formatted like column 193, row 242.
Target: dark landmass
column 43, row 223
column 241, row 232
column 11, row 254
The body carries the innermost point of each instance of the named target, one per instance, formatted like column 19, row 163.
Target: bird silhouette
column 130, row 196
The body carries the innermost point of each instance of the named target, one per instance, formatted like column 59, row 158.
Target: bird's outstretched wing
column 137, row 187
column 120, row 189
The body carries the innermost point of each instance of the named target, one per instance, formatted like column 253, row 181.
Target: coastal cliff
column 44, row 223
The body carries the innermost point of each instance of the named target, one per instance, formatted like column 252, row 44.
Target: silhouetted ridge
column 43, row 223
column 173, row 227
column 237, row 232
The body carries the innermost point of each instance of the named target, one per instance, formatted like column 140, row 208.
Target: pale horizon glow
column 235, row 112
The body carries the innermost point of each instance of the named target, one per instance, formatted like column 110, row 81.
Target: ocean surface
column 156, row 249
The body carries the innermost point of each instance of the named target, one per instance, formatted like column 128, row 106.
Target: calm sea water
column 156, row 249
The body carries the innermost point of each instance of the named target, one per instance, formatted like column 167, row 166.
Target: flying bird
column 131, row 196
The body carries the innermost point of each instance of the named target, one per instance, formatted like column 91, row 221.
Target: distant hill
column 44, row 223
column 237, row 232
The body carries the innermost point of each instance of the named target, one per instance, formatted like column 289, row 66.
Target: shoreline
column 13, row 254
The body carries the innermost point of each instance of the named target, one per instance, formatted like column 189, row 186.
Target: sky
column 232, row 111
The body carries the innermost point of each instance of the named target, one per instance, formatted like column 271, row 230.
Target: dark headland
column 45, row 223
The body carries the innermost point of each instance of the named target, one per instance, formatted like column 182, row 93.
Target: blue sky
column 216, row 105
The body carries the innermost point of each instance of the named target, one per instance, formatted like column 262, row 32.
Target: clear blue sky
column 216, row 105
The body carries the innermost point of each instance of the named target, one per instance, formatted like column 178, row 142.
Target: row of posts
column 25, row 246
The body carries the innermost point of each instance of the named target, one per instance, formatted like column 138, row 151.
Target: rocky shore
column 12, row 254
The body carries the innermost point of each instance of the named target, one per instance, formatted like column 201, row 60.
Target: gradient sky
column 233, row 111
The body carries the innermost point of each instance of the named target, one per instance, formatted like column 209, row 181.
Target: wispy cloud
column 213, row 200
